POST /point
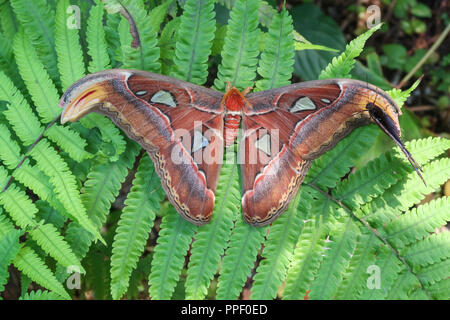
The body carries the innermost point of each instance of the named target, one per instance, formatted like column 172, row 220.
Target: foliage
column 64, row 188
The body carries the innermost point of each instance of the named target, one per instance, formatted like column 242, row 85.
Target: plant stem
column 425, row 57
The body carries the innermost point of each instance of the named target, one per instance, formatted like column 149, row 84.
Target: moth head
column 86, row 94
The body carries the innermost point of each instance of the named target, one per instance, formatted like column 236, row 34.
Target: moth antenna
column 247, row 90
column 228, row 87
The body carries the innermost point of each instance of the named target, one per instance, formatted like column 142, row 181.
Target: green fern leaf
column 64, row 182
column 40, row 295
column 7, row 62
column 240, row 50
column 277, row 59
column 405, row 193
column 195, row 35
column 9, row 247
column 239, row 259
column 435, row 272
column 8, row 20
column 306, row 260
column 440, row 290
column 35, row 180
column 19, row 206
column 134, row 225
column 355, row 276
column 430, row 250
column 146, row 55
column 368, row 182
column 167, row 43
column 110, row 133
column 69, row 141
column 10, row 150
column 41, row 88
column 173, row 243
column 28, row 262
column 330, row 167
column 389, row 269
column 403, row 286
column 211, row 239
column 337, row 256
column 70, row 56
column 279, row 247
column 418, row 222
column 100, row 190
column 49, row 239
column 95, row 37
column 400, row 96
column 19, row 114
column 38, row 20
column 341, row 66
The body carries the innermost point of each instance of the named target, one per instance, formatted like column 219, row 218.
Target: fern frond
column 8, row 21
column 167, row 43
column 337, row 256
column 211, row 239
column 34, row 179
column 100, row 190
column 194, row 41
column 19, row 114
column 146, row 55
column 38, row 20
column 405, row 193
column 418, row 222
column 430, row 250
column 5, row 224
column 355, row 276
column 7, row 63
column 424, row 150
column 440, row 289
column 400, row 96
column 9, row 247
column 134, row 225
column 330, row 167
column 70, row 56
column 10, row 150
column 28, row 262
column 435, row 272
column 173, row 242
column 49, row 239
column 41, row 88
column 306, row 260
column 69, row 141
column 279, row 247
column 389, row 268
column 403, row 286
column 240, row 50
column 64, row 182
column 19, row 206
column 239, row 259
column 45, row 97
column 368, row 182
column 277, row 59
column 341, row 66
column 49, row 214
column 110, row 133
column 40, row 295
column 95, row 37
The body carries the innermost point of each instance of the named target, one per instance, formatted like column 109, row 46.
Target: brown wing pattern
column 303, row 121
column 178, row 123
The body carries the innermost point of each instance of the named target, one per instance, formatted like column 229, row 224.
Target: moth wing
column 273, row 162
column 179, row 124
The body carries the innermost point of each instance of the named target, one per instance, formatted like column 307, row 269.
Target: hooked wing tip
column 387, row 125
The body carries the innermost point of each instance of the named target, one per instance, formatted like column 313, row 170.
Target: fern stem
column 28, row 150
column 373, row 230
